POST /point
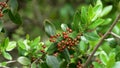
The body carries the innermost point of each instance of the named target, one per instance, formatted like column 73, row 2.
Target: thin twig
column 115, row 35
column 101, row 40
column 13, row 61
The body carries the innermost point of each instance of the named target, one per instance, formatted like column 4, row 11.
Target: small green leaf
column 52, row 61
column 35, row 42
column 97, row 10
column 92, row 36
column 15, row 17
column 7, row 55
column 76, row 25
column 66, row 55
column 64, row 26
column 106, row 10
column 5, row 43
column 96, row 23
column 24, row 60
column 111, row 61
column 13, row 5
column 52, row 48
column 84, row 16
column 103, row 57
column 73, row 35
column 107, row 21
column 3, row 64
column 83, row 46
column 11, row 46
column 49, row 28
column 21, row 45
column 33, row 65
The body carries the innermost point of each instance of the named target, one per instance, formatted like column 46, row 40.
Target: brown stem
column 115, row 35
column 101, row 40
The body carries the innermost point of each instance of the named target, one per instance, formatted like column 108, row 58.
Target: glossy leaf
column 11, row 46
column 64, row 26
column 103, row 57
column 21, row 44
column 15, row 18
column 96, row 23
column 106, row 10
column 92, row 36
column 52, row 48
column 107, row 21
column 111, row 60
column 49, row 28
column 97, row 10
column 52, row 61
column 76, row 24
column 24, row 60
column 35, row 42
column 7, row 55
column 13, row 5
column 33, row 65
column 66, row 55
column 84, row 16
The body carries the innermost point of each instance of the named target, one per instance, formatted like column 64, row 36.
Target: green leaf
column 52, row 48
column 83, row 46
column 97, row 65
column 33, row 65
column 13, row 5
column 35, row 42
column 7, row 55
column 96, row 23
column 92, row 36
column 64, row 26
column 111, row 61
column 106, row 10
column 90, row 13
column 49, row 28
column 52, row 61
column 5, row 43
column 63, row 64
column 76, row 24
column 11, row 46
column 66, row 55
column 24, row 60
column 107, row 21
column 97, row 10
column 15, row 18
column 117, row 65
column 103, row 57
column 21, row 45
column 3, row 64
column 84, row 16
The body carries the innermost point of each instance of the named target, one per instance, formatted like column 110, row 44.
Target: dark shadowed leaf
column 49, row 28
column 52, row 61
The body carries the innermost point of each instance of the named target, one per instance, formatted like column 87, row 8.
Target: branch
column 101, row 40
column 115, row 35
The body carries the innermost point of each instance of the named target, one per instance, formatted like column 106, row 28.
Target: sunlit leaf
column 23, row 60
column 106, row 10
column 11, row 46
column 7, row 55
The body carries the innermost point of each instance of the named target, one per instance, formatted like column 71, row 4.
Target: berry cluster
column 2, row 5
column 66, row 42
column 79, row 65
column 43, row 49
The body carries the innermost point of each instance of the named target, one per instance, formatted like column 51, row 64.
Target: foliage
column 68, row 48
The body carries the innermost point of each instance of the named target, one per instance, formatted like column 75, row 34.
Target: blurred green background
column 34, row 12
